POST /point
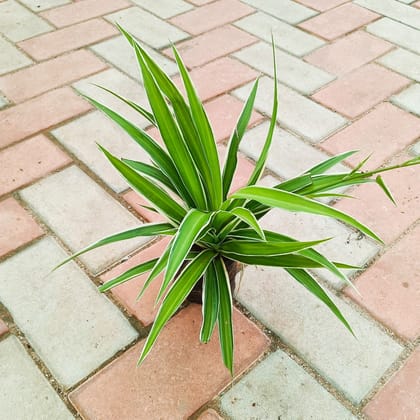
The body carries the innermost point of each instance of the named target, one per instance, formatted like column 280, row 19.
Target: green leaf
column 176, row 295
column 235, row 139
column 385, row 189
column 142, row 111
column 305, row 279
column 248, row 217
column 152, row 229
column 293, row 202
column 210, row 307
column 212, row 177
column 260, row 164
column 272, row 248
column 225, row 314
column 128, row 275
column 308, row 253
column 156, row 195
column 157, row 269
column 157, row 154
column 189, row 230
column 286, row 260
column 151, row 171
column 329, row 163
column 171, row 135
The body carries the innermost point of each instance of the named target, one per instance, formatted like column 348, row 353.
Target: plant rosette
column 208, row 227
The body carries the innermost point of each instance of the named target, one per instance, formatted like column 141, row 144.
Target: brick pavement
column 348, row 79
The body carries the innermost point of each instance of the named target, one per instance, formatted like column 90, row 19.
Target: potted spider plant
column 211, row 231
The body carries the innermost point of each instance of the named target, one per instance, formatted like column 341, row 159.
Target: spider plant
column 187, row 184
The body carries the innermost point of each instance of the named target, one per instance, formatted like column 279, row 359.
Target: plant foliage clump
column 207, row 225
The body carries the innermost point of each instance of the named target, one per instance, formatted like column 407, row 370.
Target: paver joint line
column 349, row 78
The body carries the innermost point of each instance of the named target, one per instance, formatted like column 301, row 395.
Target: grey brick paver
column 286, row 37
column 164, row 8
column 289, row 156
column 404, row 62
column 353, row 365
column 153, row 31
column 279, row 388
column 81, row 136
column 11, row 58
column 286, row 10
column 409, row 99
column 39, row 5
column 80, row 212
column 292, row 71
column 71, row 326
column 394, row 10
column 25, row 393
column 18, row 23
column 396, row 32
column 118, row 52
column 121, row 84
column 297, row 112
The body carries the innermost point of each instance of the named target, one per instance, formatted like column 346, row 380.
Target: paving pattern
column 349, row 74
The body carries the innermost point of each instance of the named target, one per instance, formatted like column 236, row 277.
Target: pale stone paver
column 289, row 156
column 38, row 5
column 396, row 32
column 286, row 10
column 25, row 393
column 404, row 62
column 164, row 8
column 153, row 31
column 346, row 246
column 286, row 37
column 394, row 10
column 297, row 112
column 415, row 150
column 353, row 365
column 292, row 71
column 3, row 101
column 80, row 212
column 70, row 324
column 81, row 136
column 279, row 388
column 409, row 99
column 118, row 52
column 121, row 84
column 18, row 23
column 11, row 58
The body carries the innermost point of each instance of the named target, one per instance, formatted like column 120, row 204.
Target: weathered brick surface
column 178, row 364
column 38, row 114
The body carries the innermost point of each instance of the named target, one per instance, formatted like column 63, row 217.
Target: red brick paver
column 360, row 90
column 210, row 16
column 339, row 21
column 399, row 399
column 67, row 39
column 3, row 328
column 390, row 289
column 32, row 81
column 378, row 212
column 83, row 10
column 322, row 5
column 177, row 378
column 196, row 52
column 17, row 227
column 126, row 293
column 39, row 114
column 382, row 133
column 220, row 76
column 348, row 53
column 27, row 161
